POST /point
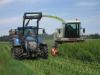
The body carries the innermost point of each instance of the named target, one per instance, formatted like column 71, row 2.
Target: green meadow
column 73, row 59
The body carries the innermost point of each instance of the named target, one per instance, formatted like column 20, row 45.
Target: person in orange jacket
column 54, row 51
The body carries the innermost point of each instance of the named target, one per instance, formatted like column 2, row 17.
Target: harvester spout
column 54, row 17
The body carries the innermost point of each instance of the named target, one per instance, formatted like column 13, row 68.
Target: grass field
column 73, row 59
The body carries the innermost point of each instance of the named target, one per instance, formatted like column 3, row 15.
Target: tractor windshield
column 27, row 31
column 31, row 35
column 72, row 30
column 30, row 32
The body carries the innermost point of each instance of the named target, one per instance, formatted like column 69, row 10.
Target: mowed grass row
column 9, row 66
column 73, row 59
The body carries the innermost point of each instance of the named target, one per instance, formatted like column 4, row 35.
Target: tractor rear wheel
column 17, row 53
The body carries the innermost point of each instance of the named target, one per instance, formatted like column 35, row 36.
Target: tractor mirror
column 83, row 30
column 44, row 31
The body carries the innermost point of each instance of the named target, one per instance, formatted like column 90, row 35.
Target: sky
column 87, row 11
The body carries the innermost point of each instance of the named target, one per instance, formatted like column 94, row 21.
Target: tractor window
column 30, row 32
column 20, row 31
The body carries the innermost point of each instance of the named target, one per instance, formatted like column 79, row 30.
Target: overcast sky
column 87, row 11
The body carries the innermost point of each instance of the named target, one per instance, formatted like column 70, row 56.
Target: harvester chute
column 54, row 17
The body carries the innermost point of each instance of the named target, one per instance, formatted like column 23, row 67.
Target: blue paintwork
column 34, row 38
column 28, row 37
column 17, row 42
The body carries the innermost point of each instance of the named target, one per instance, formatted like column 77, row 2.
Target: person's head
column 28, row 32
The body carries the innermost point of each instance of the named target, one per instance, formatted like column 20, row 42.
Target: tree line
column 91, row 36
column 4, row 38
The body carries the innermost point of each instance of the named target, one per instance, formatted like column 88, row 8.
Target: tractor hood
column 31, row 42
column 34, row 38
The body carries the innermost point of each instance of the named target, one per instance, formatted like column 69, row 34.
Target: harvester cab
column 72, row 30
column 69, row 32
column 28, row 43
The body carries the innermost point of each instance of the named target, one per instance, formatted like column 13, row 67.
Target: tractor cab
column 30, row 33
column 27, row 30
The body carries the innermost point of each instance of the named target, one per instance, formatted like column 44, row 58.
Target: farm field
column 73, row 59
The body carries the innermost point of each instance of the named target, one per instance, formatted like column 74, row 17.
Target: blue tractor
column 26, row 40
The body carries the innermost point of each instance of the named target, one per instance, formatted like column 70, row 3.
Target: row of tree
column 91, row 36
column 4, row 38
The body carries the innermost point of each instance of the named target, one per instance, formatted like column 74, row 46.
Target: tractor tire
column 17, row 53
column 44, row 52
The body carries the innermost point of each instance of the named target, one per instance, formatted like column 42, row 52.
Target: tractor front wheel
column 17, row 53
column 44, row 52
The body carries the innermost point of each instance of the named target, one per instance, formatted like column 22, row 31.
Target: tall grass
column 73, row 59
column 85, row 51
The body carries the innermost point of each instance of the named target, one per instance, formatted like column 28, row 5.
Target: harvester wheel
column 17, row 53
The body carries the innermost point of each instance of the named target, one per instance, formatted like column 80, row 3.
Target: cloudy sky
column 88, row 11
